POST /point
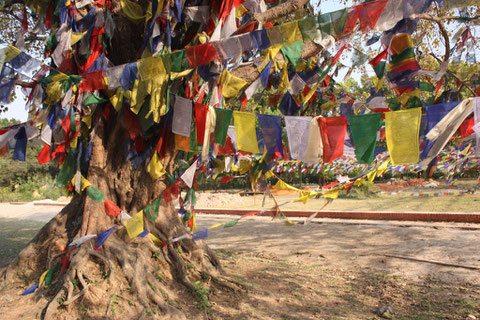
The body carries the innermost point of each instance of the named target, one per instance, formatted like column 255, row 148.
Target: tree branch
column 10, row 12
column 456, row 77
column 279, row 11
column 439, row 21
column 249, row 73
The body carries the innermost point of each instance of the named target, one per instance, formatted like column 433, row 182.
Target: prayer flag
column 401, row 130
column 435, row 113
column 201, row 112
column 155, row 167
column 151, row 211
column 222, row 121
column 111, row 208
column 202, row 234
column 95, row 194
column 134, row 225
column 332, row 131
column 297, row 134
column 182, row 116
column 245, row 133
column 364, row 128
column 102, row 236
column 231, row 85
column 272, row 132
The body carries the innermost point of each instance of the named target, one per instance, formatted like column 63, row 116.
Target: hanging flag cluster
column 184, row 76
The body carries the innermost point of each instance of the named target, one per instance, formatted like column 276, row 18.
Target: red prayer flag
column 171, row 192
column 352, row 18
column 466, row 127
column 111, row 208
column 132, row 123
column 4, row 150
column 200, row 120
column 224, row 150
column 162, row 144
column 369, row 14
column 249, row 214
column 92, row 81
column 332, row 131
column 339, row 53
column 226, row 179
column 381, row 56
column 201, row 54
column 44, row 155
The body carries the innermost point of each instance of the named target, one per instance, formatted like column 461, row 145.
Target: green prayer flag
column 95, row 194
column 230, row 224
column 308, row 27
column 379, row 69
column 413, row 102
column 223, row 119
column 175, row 61
column 151, row 211
column 68, row 170
column 364, row 129
column 325, row 24
column 93, row 99
column 191, row 196
column 426, row 86
column 339, row 18
column 293, row 52
column 51, row 272
column 394, row 104
column 402, row 56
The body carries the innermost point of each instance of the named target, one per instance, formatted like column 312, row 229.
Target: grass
column 14, row 236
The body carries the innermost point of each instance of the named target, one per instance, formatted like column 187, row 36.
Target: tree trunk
column 126, row 278
column 137, row 270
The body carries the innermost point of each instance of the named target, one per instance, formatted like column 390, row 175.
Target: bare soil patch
column 328, row 269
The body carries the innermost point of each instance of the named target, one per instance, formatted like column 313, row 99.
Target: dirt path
column 333, row 269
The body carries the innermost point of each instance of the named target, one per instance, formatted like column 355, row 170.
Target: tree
column 124, row 267
column 99, row 122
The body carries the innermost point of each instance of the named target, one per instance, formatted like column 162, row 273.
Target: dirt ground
column 327, row 269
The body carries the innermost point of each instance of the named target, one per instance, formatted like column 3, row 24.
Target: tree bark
column 131, row 274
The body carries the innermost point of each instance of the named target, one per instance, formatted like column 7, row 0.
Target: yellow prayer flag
column 332, row 194
column 8, row 53
column 406, row 96
column 271, row 53
column 291, row 32
column 281, row 185
column 401, row 130
column 381, row 169
column 54, row 91
column 243, row 166
column 155, row 239
column 155, row 167
column 216, row 225
column 133, row 11
column 151, row 68
column 231, row 85
column 245, row 131
column 42, row 278
column 181, row 74
column 134, row 225
column 290, row 223
column 75, row 37
column 240, row 11
column 401, row 42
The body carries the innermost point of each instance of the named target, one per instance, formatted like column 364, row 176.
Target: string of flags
column 134, row 225
column 183, row 79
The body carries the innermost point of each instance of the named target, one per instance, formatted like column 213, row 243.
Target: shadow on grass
column 14, row 236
